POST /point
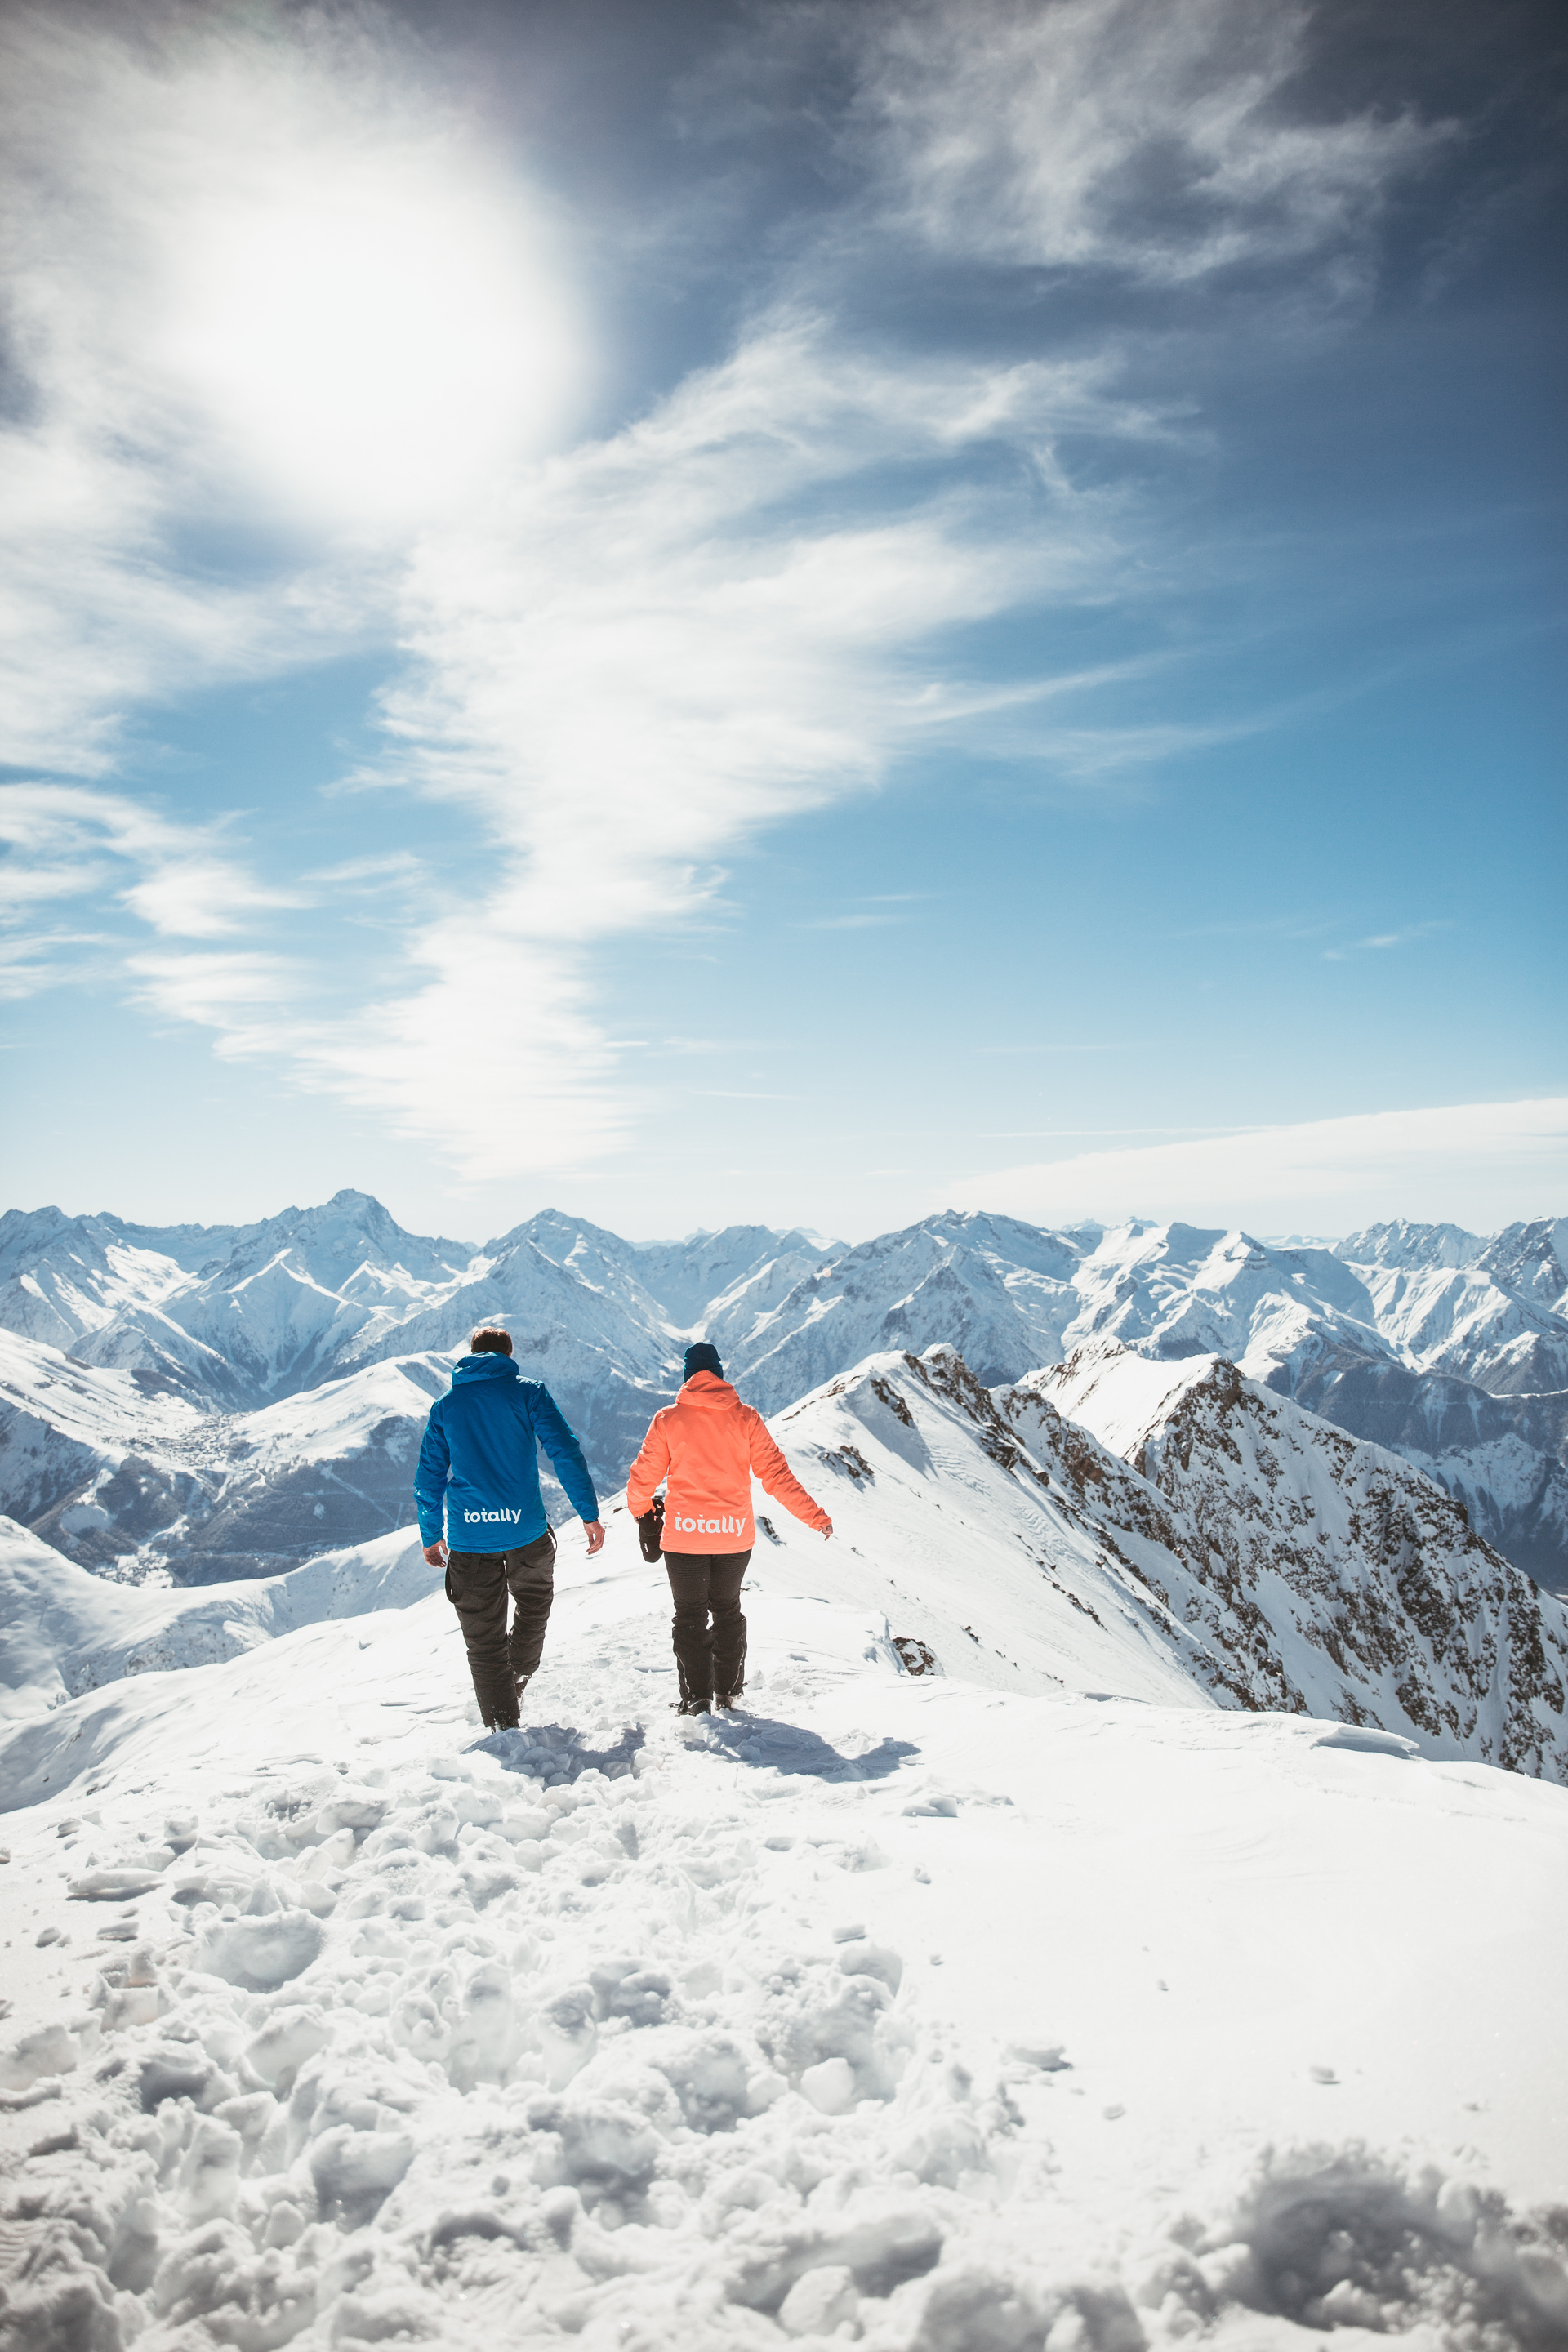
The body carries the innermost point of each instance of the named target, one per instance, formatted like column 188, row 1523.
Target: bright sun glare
column 376, row 342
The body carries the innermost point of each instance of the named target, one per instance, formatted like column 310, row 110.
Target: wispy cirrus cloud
column 1106, row 134
column 1159, row 144
column 850, row 922
column 75, row 841
column 1379, row 942
column 237, row 992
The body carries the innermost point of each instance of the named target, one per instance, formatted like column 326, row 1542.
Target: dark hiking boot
column 727, row 1699
column 694, row 1707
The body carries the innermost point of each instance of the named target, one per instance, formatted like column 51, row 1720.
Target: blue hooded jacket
column 480, row 1459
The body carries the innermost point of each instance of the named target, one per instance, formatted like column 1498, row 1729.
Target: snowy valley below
column 1125, row 1912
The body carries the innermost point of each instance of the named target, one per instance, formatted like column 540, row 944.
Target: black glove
column 651, row 1530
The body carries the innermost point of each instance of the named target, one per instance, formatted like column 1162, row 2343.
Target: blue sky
column 799, row 611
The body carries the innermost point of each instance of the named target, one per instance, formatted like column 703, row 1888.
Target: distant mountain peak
column 1405, row 1242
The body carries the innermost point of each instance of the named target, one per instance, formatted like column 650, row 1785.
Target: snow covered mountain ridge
column 211, row 1401
column 1157, row 1530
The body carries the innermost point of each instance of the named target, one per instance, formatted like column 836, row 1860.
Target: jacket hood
column 706, row 1388
column 485, row 1367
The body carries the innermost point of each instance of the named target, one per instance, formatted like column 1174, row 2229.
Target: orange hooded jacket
column 708, row 1444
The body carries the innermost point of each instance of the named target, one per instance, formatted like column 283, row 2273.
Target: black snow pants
column 477, row 1583
column 709, row 1658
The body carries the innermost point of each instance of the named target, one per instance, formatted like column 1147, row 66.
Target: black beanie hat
column 703, row 1358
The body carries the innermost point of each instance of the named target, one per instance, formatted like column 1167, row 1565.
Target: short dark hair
column 487, row 1340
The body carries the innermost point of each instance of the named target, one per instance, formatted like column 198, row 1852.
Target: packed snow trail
column 905, row 2011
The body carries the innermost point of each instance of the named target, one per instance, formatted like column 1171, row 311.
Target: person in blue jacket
column 478, row 1464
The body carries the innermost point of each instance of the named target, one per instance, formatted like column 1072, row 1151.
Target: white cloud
column 392, row 869
column 192, row 896
column 658, row 645
column 44, row 957
column 65, row 841
column 492, row 1058
column 221, row 991
column 95, row 617
column 1149, row 140
column 851, row 923
column 1380, row 941
column 1484, row 1164
column 495, row 1062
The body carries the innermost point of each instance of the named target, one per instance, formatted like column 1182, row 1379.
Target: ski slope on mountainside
column 935, row 2013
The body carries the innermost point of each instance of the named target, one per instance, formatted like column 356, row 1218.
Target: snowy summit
column 1122, row 1912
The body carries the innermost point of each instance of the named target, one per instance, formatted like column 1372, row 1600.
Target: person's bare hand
column 827, row 1531
column 594, row 1530
column 435, row 1554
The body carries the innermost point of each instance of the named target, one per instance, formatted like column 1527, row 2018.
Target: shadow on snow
column 786, row 1748
column 558, row 1752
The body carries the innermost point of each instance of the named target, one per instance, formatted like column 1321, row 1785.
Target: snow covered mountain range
column 214, row 1402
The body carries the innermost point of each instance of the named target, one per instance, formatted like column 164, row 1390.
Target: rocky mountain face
column 1493, row 1312
column 1126, row 1523
column 284, row 1308
column 1505, row 1458
column 1339, row 1578
column 1448, row 1347
column 581, row 1319
column 1401, row 1243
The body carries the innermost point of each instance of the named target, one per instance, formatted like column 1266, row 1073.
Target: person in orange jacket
column 708, row 1444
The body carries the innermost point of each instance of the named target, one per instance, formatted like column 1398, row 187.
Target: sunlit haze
column 376, row 339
